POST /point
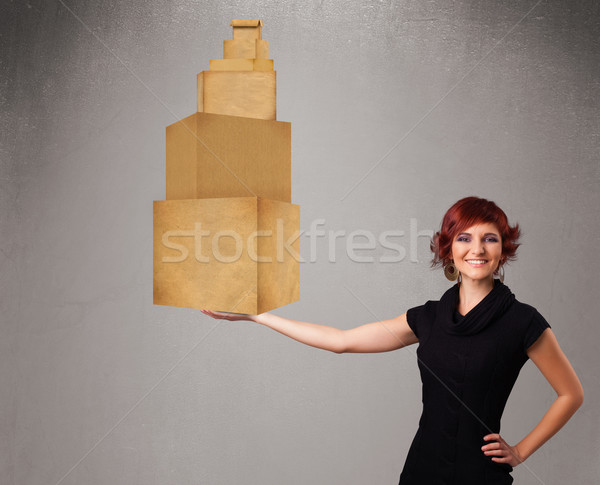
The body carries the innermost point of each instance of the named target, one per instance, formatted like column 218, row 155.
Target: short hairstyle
column 468, row 212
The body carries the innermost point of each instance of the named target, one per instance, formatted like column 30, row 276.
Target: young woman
column 472, row 345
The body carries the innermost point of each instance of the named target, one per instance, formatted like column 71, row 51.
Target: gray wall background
column 434, row 100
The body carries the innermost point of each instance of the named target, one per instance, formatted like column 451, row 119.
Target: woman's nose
column 478, row 248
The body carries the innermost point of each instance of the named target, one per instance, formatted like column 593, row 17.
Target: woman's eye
column 466, row 239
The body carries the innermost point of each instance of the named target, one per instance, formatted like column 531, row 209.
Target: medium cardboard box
column 210, row 155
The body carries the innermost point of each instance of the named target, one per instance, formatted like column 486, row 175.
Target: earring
column 501, row 274
column 451, row 272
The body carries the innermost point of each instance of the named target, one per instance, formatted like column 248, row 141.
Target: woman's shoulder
column 428, row 306
column 421, row 317
column 523, row 310
column 529, row 321
column 425, row 311
column 527, row 317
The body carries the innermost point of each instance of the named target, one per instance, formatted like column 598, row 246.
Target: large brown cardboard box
column 236, row 254
column 211, row 155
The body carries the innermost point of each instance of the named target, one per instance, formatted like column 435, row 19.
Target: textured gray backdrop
column 398, row 109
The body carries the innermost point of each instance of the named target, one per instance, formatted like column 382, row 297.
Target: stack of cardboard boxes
column 227, row 237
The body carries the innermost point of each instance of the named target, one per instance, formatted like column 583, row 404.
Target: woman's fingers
column 226, row 315
column 219, row 315
column 493, row 449
column 495, row 452
column 493, row 436
column 500, row 451
column 498, row 448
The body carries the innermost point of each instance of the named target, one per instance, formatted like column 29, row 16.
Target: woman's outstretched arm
column 381, row 336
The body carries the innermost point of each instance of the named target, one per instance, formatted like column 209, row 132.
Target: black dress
column 468, row 367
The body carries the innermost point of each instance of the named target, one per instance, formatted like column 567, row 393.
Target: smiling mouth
column 476, row 262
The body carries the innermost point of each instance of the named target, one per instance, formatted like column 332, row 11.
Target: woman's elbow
column 339, row 345
column 578, row 395
column 576, row 398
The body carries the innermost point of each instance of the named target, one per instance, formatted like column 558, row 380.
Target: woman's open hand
column 500, row 451
column 229, row 316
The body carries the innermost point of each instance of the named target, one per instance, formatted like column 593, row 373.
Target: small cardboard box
column 250, row 93
column 245, row 49
column 236, row 254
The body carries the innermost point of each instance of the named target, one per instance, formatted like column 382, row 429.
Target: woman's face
column 477, row 251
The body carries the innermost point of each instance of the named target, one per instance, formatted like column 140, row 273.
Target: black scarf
column 493, row 305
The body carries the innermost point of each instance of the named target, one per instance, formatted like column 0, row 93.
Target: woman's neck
column 471, row 292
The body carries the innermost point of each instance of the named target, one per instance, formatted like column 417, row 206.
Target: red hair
column 468, row 212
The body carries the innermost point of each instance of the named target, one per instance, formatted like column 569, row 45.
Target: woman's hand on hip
column 500, row 451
